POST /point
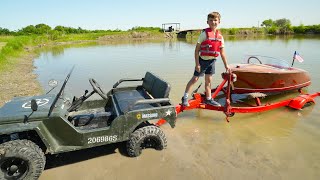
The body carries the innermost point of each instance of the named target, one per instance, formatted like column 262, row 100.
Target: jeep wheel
column 21, row 159
column 146, row 137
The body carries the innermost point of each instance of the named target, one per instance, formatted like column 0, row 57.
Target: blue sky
column 125, row 14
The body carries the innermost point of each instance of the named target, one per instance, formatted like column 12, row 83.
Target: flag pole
column 294, row 55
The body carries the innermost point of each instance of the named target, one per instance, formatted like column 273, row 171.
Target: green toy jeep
column 30, row 127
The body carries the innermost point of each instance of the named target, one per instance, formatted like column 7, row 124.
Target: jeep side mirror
column 34, row 105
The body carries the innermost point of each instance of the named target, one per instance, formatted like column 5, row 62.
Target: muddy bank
column 19, row 80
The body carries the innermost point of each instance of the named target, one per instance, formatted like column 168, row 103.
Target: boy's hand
column 227, row 67
column 197, row 68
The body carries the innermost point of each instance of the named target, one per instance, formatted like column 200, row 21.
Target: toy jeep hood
column 15, row 110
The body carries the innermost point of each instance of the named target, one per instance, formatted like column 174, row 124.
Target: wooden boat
column 267, row 74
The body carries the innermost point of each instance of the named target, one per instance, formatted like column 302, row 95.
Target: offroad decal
column 145, row 116
column 40, row 102
column 150, row 115
column 168, row 113
column 100, row 139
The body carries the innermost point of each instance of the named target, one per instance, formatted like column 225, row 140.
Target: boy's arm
column 224, row 59
column 196, row 57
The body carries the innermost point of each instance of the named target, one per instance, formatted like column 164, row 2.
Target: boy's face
column 213, row 22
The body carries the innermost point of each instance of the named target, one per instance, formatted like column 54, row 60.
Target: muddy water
column 278, row 144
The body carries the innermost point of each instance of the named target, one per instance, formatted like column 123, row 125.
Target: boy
column 210, row 45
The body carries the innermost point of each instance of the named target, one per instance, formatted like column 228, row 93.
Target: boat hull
column 264, row 78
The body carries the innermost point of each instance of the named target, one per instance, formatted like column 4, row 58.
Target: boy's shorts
column 206, row 67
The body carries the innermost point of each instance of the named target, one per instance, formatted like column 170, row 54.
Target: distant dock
column 183, row 33
column 169, row 28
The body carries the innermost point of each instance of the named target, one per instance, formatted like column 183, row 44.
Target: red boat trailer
column 228, row 78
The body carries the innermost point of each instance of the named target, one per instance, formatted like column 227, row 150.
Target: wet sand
column 204, row 146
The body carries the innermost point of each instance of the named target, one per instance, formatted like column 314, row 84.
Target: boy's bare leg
column 209, row 99
column 208, row 79
column 192, row 81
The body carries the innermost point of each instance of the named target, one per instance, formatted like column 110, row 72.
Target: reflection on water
column 277, row 144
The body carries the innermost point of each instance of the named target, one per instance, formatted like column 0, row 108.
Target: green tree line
column 279, row 26
column 43, row 29
column 283, row 26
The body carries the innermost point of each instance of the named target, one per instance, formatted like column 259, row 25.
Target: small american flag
column 297, row 57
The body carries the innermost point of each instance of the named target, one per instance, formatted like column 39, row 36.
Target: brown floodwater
column 277, row 144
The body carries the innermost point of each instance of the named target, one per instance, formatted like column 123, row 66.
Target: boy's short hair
column 214, row 15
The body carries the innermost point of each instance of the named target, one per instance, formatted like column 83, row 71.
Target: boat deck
column 264, row 68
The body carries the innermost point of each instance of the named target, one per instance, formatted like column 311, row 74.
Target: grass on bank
column 11, row 47
column 82, row 37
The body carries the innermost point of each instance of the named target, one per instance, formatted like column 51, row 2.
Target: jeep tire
column 21, row 159
column 146, row 137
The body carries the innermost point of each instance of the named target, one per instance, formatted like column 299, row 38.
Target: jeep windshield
column 60, row 92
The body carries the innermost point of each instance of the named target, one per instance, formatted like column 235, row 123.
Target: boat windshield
column 266, row 60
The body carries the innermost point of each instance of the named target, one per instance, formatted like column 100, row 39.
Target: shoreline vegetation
column 19, row 48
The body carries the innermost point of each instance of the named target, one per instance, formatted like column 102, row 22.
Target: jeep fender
column 18, row 127
column 24, row 127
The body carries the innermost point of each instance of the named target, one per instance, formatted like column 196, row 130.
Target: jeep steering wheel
column 253, row 57
column 97, row 88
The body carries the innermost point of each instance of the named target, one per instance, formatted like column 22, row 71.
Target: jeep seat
column 152, row 88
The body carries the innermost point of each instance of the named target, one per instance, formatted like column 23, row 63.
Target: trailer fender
column 300, row 101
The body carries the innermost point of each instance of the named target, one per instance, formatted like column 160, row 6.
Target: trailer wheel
column 21, row 159
column 146, row 137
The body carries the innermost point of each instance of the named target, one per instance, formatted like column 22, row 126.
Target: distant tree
column 42, row 28
column 71, row 30
column 299, row 29
column 59, row 28
column 283, row 22
column 284, row 26
column 316, row 28
column 80, row 30
column 279, row 26
column 38, row 29
column 67, row 30
column 4, row 31
column 54, row 34
column 273, row 30
column 267, row 23
column 28, row 30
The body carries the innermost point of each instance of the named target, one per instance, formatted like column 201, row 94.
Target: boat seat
column 152, row 88
column 256, row 96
